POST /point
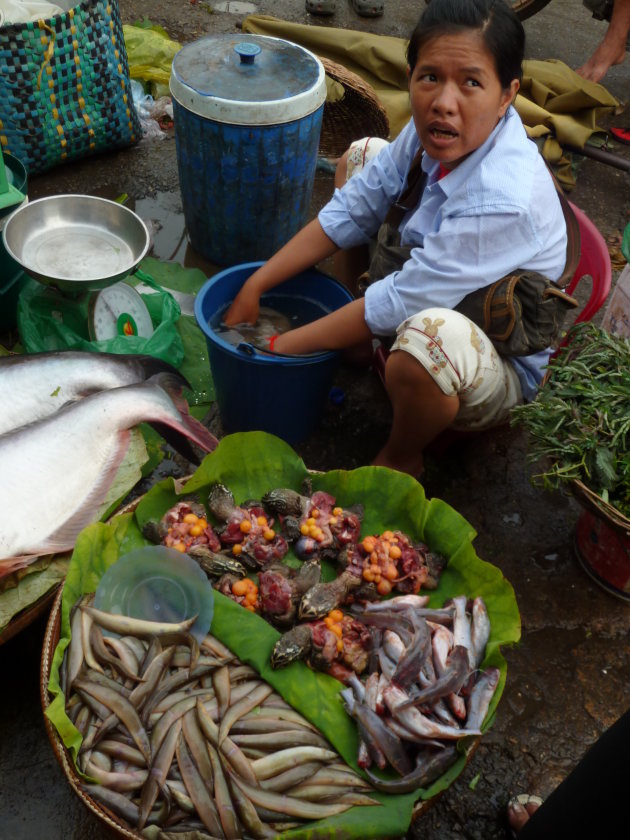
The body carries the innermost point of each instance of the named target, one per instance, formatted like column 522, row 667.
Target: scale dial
column 119, row 310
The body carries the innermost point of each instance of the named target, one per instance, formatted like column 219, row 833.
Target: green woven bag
column 64, row 86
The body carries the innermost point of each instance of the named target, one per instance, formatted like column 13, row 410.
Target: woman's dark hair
column 500, row 29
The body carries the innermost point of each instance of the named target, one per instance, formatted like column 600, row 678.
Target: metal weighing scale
column 118, row 310
column 82, row 248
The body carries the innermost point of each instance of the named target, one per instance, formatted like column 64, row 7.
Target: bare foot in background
column 604, row 57
column 612, row 49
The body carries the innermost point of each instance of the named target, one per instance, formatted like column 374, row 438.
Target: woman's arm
column 342, row 328
column 308, row 247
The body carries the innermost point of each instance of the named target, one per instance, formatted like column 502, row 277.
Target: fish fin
column 178, row 441
column 189, row 427
column 65, row 536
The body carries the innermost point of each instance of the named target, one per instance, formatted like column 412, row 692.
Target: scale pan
column 76, row 242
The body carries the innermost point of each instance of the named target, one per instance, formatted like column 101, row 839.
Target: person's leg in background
column 612, row 49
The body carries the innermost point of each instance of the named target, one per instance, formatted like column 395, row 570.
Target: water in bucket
column 286, row 313
column 270, row 322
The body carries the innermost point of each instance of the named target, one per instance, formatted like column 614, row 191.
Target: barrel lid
column 247, row 79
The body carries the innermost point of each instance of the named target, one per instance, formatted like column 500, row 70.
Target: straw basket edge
column 359, row 113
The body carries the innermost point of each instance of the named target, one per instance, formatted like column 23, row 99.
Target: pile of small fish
column 183, row 735
column 64, row 432
column 424, row 691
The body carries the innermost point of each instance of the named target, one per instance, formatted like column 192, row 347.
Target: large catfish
column 36, row 385
column 55, row 473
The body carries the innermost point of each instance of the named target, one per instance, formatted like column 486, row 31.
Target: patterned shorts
column 463, row 362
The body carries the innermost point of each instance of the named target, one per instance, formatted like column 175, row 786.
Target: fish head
column 221, row 502
column 215, row 564
column 319, row 601
column 291, row 646
column 285, row 502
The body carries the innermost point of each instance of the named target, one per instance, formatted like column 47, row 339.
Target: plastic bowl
column 156, row 583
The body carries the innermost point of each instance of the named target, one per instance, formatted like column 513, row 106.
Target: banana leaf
column 35, row 582
column 250, row 464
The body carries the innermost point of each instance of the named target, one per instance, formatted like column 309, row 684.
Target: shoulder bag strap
column 410, row 196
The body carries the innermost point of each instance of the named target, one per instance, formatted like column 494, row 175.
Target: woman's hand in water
column 244, row 309
column 304, row 250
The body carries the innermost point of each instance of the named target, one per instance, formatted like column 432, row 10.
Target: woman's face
column 456, row 96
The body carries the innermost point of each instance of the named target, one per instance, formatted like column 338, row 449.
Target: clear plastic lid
column 157, row 583
column 248, row 79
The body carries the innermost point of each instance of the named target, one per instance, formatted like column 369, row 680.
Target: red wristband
column 272, row 340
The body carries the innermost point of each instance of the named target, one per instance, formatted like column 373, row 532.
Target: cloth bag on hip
column 523, row 312
column 64, row 86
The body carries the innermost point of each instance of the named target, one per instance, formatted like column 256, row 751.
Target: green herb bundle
column 579, row 423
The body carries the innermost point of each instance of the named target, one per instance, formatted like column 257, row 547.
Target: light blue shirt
column 496, row 212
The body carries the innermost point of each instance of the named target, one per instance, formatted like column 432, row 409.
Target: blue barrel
column 248, row 115
column 279, row 394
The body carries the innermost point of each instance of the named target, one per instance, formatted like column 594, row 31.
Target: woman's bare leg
column 421, row 410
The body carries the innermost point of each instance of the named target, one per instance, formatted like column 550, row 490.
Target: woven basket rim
column 62, row 754
column 359, row 113
column 596, row 504
column 349, row 79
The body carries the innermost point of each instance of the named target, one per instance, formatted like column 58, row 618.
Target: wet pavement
column 567, row 678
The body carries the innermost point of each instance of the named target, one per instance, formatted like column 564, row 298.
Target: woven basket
column 111, row 820
column 357, row 114
column 65, row 87
column 601, row 508
column 51, row 638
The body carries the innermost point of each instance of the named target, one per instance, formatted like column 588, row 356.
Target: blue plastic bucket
column 282, row 395
column 248, row 114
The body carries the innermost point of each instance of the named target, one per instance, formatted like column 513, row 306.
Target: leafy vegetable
column 251, row 464
column 579, row 423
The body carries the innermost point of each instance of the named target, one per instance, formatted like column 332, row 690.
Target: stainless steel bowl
column 76, row 242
